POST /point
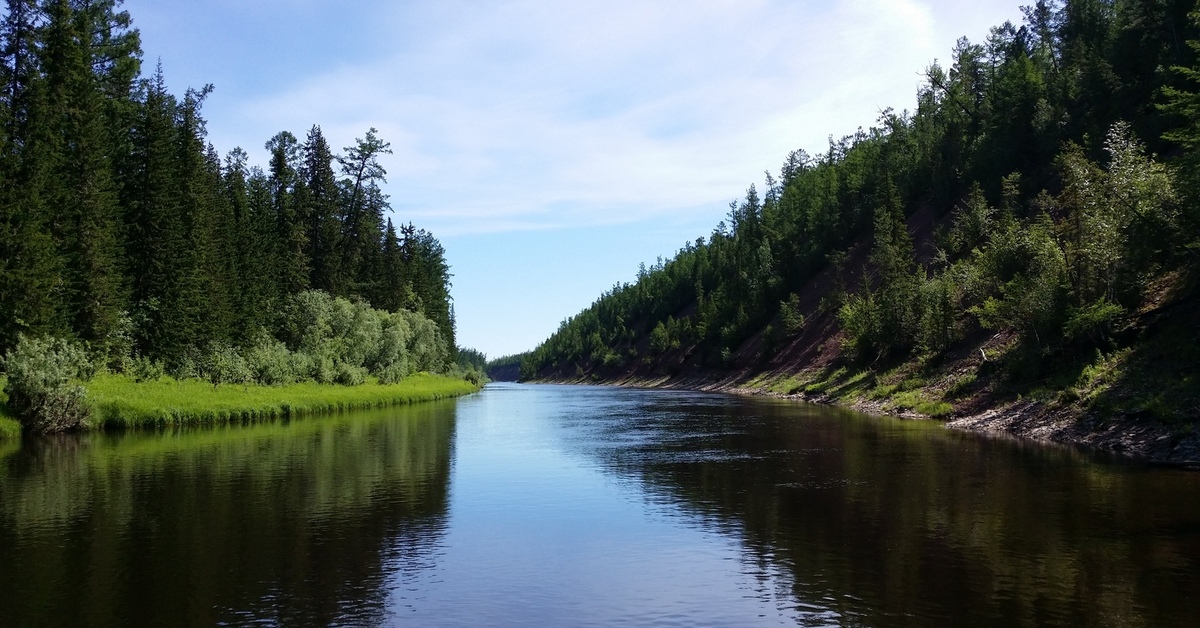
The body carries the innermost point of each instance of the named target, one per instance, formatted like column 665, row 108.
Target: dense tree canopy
column 121, row 225
column 1038, row 150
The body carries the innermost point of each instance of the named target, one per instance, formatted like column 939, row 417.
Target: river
column 581, row 506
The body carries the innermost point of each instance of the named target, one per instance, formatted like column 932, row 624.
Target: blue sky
column 553, row 146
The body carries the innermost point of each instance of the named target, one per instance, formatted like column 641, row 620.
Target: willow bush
column 44, row 384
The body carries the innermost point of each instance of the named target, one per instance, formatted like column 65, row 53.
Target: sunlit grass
column 121, row 402
column 9, row 426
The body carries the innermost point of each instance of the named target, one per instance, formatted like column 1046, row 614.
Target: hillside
column 1020, row 253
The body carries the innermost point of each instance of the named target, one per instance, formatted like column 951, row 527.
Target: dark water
column 563, row 506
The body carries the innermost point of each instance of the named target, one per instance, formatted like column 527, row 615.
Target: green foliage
column 143, row 369
column 224, row 364
column 790, row 317
column 271, row 364
column 470, row 358
column 44, row 384
column 1040, row 138
column 122, row 227
column 1024, row 281
column 660, row 340
column 1094, row 324
column 349, row 375
column 339, row 336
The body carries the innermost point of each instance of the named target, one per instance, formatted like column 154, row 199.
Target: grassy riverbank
column 120, row 402
column 9, row 426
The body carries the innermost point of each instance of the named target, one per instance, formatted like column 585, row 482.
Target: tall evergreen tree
column 322, row 212
column 83, row 190
column 31, row 283
column 156, row 228
column 287, row 194
column 362, row 218
column 394, row 291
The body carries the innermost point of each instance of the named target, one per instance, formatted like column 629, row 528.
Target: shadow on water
column 883, row 522
column 295, row 523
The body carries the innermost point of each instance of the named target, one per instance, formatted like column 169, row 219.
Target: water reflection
column 880, row 522
column 556, row 506
column 294, row 524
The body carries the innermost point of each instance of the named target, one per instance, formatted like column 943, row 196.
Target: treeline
column 1059, row 157
column 121, row 225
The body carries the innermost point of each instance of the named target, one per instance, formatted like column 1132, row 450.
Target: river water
column 577, row 506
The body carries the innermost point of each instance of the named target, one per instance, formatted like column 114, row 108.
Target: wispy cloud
column 524, row 114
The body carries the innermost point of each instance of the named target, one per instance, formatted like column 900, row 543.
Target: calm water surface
column 575, row 506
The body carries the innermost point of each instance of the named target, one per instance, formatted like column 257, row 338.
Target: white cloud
column 526, row 114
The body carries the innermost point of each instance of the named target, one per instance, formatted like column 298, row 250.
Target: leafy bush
column 186, row 366
column 224, row 365
column 348, row 375
column 333, row 331
column 270, row 363
column 143, row 369
column 393, row 374
column 323, row 370
column 43, row 384
column 790, row 316
column 1093, row 324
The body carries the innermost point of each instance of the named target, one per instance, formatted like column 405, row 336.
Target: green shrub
column 186, row 366
column 144, row 369
column 43, row 384
column 1093, row 324
column 270, row 363
column 790, row 317
column 224, row 365
column 389, row 375
column 349, row 375
column 960, row 387
column 332, row 331
column 322, row 369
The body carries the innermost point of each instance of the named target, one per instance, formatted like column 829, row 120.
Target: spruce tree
column 287, row 195
column 393, row 290
column 322, row 212
column 31, row 281
column 82, row 186
column 156, row 230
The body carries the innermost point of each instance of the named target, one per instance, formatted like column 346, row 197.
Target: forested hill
column 1031, row 226
column 121, row 226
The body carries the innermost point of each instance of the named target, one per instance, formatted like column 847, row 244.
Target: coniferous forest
column 1034, row 223
column 122, row 227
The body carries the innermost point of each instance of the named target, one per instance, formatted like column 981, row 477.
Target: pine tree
column 393, row 291
column 204, row 305
column 362, row 218
column 156, row 228
column 287, row 195
column 322, row 211
column 83, row 188
column 426, row 269
column 31, row 281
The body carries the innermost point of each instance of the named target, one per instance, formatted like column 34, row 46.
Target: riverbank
column 898, row 394
column 119, row 402
column 10, row 428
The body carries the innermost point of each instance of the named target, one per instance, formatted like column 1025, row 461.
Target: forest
column 127, row 239
column 1045, row 191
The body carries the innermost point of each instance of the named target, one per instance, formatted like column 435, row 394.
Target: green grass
column 121, row 402
column 10, row 428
